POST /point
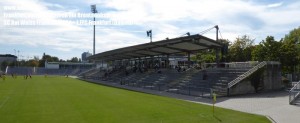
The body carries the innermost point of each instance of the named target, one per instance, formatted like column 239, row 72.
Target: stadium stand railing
column 42, row 71
column 246, row 74
column 192, row 81
column 294, row 93
column 20, row 70
column 86, row 71
column 189, row 82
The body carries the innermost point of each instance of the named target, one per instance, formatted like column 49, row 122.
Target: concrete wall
column 100, row 65
column 270, row 80
column 272, row 77
column 51, row 66
column 243, row 87
column 8, row 58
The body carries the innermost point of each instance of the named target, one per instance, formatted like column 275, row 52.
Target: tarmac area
column 274, row 105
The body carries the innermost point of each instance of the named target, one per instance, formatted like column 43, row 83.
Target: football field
column 58, row 99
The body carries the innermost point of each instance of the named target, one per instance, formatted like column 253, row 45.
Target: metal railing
column 87, row 71
column 232, row 64
column 294, row 93
column 246, row 74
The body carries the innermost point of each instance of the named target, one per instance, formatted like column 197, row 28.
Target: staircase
column 184, row 79
column 294, row 94
column 220, row 87
column 87, row 71
column 246, row 74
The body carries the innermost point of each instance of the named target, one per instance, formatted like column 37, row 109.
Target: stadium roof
column 179, row 45
column 71, row 63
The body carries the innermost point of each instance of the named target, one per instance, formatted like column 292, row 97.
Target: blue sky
column 167, row 18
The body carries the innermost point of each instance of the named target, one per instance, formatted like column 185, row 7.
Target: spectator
column 156, row 66
column 179, row 69
column 159, row 71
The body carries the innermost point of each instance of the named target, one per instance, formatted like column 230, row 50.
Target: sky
column 30, row 28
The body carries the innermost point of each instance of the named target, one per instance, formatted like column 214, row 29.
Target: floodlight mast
column 16, row 56
column 188, row 34
column 94, row 10
column 217, row 49
column 149, row 34
column 217, row 32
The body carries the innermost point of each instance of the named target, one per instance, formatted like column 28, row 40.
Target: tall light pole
column 217, row 49
column 149, row 34
column 16, row 56
column 94, row 10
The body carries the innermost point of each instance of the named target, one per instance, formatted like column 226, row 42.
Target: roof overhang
column 179, row 45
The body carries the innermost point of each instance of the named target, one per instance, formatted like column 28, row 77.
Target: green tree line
column 36, row 62
column 286, row 51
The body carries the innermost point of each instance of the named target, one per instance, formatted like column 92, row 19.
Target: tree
column 47, row 58
column 290, row 50
column 74, row 59
column 32, row 63
column 240, row 50
column 3, row 65
column 54, row 59
column 21, row 63
column 267, row 50
column 209, row 56
column 286, row 50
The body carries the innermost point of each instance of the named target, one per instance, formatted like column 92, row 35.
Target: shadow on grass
column 153, row 92
column 217, row 118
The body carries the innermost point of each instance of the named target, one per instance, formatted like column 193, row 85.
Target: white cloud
column 274, row 5
column 42, row 35
column 167, row 18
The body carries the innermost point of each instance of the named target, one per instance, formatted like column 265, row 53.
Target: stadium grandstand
column 52, row 68
column 166, row 66
column 7, row 58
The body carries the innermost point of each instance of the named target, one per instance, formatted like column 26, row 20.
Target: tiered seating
column 20, row 70
column 152, row 79
column 149, row 80
column 192, row 82
column 94, row 73
column 220, row 77
column 43, row 71
column 115, row 76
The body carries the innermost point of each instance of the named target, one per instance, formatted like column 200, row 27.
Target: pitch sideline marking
column 3, row 103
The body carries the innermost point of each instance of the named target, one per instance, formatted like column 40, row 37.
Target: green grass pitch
column 66, row 100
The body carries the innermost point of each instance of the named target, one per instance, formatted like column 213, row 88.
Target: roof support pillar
column 152, row 62
column 167, row 61
column 217, row 49
column 189, row 59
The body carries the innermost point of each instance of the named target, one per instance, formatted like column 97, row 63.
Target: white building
column 84, row 56
column 7, row 58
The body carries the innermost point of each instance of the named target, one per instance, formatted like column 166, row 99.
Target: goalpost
column 6, row 69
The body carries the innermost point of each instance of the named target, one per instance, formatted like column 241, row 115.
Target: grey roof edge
column 134, row 47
